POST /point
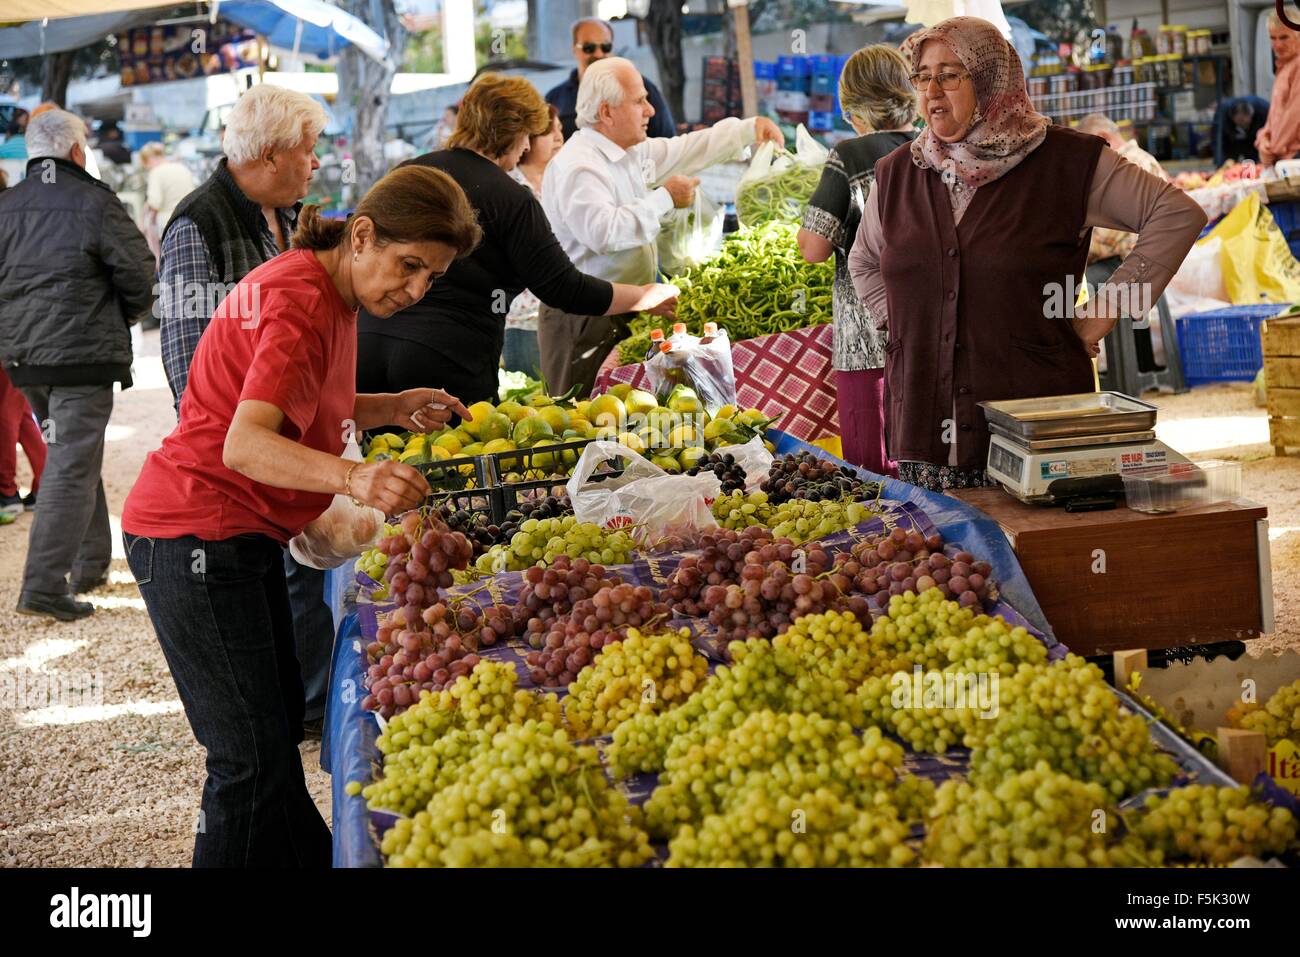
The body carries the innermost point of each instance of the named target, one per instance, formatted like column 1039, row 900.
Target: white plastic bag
column 1201, row 274
column 646, row 496
column 754, row 458
column 341, row 532
column 778, row 185
column 689, row 236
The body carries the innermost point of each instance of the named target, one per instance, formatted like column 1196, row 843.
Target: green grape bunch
column 542, row 541
column 1210, row 825
column 1037, row 817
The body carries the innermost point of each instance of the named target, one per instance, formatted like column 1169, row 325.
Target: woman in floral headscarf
column 973, row 243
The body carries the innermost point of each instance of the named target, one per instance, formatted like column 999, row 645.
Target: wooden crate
column 1281, row 346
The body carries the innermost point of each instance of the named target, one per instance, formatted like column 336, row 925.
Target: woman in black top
column 878, row 99
column 452, row 339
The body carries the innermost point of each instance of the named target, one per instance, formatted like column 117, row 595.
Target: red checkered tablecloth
column 788, row 376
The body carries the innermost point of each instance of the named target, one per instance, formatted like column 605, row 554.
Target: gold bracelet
column 347, row 486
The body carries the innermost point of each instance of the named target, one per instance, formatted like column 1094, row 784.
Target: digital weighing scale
column 1073, row 449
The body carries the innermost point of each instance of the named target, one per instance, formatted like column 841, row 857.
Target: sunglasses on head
column 590, row 48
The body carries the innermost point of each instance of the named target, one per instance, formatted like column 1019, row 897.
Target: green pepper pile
column 780, row 197
column 758, row 285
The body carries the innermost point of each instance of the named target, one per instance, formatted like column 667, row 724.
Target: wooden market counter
column 1119, row 579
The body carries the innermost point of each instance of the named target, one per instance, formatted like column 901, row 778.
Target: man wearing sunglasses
column 593, row 39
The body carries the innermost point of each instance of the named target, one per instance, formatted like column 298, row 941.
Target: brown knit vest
column 968, row 310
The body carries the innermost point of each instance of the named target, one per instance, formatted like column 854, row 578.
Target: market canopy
column 38, row 37
column 303, row 26
column 306, row 26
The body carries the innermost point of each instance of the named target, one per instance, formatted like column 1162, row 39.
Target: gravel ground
column 118, row 783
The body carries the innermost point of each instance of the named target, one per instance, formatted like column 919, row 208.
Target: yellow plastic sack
column 830, row 443
column 1257, row 263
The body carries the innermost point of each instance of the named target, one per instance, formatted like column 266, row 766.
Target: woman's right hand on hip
column 392, row 487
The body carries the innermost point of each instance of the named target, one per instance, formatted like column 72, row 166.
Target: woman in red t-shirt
column 256, row 457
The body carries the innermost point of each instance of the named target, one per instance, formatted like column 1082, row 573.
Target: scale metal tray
column 1076, row 441
column 1068, row 416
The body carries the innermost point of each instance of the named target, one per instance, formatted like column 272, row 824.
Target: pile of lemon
column 675, row 436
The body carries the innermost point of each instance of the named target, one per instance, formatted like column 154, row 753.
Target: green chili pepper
column 748, row 290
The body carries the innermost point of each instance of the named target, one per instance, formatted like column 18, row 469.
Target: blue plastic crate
column 1287, row 217
column 821, row 121
column 788, row 67
column 824, row 64
column 825, row 83
column 1223, row 345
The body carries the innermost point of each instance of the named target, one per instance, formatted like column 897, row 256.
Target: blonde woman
column 453, row 337
column 878, row 100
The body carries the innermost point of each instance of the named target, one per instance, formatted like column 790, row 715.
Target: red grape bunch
column 421, row 560
column 405, row 661
column 552, row 591
column 775, row 589
column 722, row 554
column 572, row 640
column 907, row 561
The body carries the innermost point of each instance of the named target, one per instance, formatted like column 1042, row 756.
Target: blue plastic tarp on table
column 348, row 748
column 348, row 741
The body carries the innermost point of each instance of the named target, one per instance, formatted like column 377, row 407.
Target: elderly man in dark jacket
column 75, row 272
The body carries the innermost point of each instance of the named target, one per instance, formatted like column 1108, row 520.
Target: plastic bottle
column 656, row 340
column 710, row 332
column 681, row 338
column 672, row 362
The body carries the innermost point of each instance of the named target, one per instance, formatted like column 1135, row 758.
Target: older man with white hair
column 75, row 273
column 606, row 193
column 241, row 217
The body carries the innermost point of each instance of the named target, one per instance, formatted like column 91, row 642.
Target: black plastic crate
column 464, row 491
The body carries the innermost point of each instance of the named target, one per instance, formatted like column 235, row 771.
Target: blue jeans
column 221, row 612
column 521, row 352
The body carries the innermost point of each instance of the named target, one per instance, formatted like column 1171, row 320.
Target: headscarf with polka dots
column 1005, row 128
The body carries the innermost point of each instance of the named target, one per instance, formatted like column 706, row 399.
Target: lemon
column 683, row 436
column 667, row 463
column 555, row 417
column 580, row 425
column 622, row 390
column 474, row 448
column 692, row 457
column 528, row 431
column 478, row 413
column 607, row 410
column 726, row 412
column 716, row 429
column 632, row 441
column 544, row 462
column 498, row 445
column 580, row 408
column 495, row 426
column 449, row 442
column 638, row 400
column 751, row 418
column 438, row 453
column 540, row 401
column 684, row 399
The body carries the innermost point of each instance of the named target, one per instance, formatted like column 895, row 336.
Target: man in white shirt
column 605, row 194
column 169, row 182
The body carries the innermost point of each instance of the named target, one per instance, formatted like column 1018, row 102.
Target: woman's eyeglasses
column 947, row 81
column 590, row 48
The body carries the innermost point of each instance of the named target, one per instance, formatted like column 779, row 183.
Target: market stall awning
column 306, row 26
column 14, row 12
column 38, row 37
